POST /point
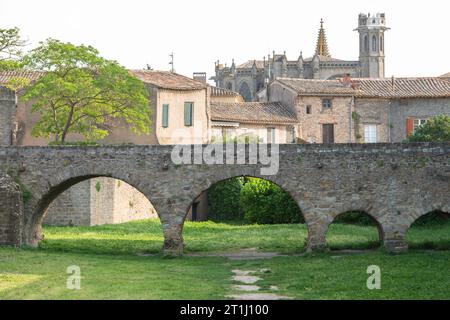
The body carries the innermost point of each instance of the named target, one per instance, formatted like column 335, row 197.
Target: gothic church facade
column 253, row 76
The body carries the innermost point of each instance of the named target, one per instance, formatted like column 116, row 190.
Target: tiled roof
column 253, row 112
column 168, row 80
column 317, row 87
column 404, row 88
column 219, row 92
column 375, row 88
column 249, row 64
column 6, row 76
column 447, row 75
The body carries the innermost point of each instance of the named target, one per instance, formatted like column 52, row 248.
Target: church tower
column 371, row 44
column 322, row 45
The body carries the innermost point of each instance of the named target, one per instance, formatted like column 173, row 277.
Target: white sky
column 137, row 32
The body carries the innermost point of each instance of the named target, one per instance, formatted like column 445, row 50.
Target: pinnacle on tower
column 322, row 46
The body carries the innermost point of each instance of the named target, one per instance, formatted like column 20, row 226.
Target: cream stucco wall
column 177, row 132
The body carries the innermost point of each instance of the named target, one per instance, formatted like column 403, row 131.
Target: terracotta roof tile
column 219, row 92
column 375, row 88
column 404, row 88
column 6, row 76
column 168, row 80
column 316, row 87
column 253, row 112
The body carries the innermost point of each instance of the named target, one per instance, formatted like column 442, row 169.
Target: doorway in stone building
column 328, row 133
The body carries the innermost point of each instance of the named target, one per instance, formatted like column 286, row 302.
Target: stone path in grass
column 242, row 254
column 248, row 289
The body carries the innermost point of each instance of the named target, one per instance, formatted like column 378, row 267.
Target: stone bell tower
column 371, row 44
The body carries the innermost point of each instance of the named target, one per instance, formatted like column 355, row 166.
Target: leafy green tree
column 11, row 45
column 436, row 129
column 83, row 93
column 224, row 200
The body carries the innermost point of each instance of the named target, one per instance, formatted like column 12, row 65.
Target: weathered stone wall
column 99, row 201
column 371, row 112
column 312, row 124
column 130, row 204
column 7, row 115
column 72, row 207
column 401, row 110
column 11, row 211
column 394, row 183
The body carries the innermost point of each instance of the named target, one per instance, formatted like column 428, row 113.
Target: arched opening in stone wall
column 245, row 213
column 354, row 230
column 99, row 214
column 430, row 231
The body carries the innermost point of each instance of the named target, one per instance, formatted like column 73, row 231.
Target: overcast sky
column 199, row 32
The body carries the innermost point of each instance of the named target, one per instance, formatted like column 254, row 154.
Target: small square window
column 418, row 123
column 308, row 109
column 327, row 103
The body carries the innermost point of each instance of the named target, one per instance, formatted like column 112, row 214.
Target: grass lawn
column 112, row 267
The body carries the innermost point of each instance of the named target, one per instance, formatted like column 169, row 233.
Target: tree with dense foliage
column 436, row 129
column 11, row 45
column 264, row 202
column 224, row 200
column 83, row 93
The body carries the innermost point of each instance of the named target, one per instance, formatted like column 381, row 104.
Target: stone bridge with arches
column 393, row 183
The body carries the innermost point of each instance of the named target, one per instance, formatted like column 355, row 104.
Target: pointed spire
column 322, row 46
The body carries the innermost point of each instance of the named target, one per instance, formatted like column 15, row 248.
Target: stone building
column 360, row 110
column 251, row 77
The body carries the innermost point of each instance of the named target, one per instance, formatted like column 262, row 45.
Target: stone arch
column 32, row 231
column 244, row 91
column 419, row 230
column 372, row 218
column 277, row 180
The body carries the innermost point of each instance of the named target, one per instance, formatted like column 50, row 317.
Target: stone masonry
column 99, row 201
column 394, row 183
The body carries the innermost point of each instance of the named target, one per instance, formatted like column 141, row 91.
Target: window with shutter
column 188, row 113
column 165, row 116
column 409, row 126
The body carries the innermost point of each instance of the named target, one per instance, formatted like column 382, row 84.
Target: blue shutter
column 188, row 113
column 165, row 116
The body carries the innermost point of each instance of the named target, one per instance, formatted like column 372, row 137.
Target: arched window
column 381, row 43
column 244, row 91
column 229, row 86
column 366, row 43
column 374, row 44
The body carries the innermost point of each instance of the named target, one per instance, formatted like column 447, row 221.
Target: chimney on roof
column 199, row 76
column 346, row 80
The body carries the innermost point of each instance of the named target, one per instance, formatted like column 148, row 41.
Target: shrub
column 436, row 129
column 224, row 200
column 264, row 202
column 432, row 218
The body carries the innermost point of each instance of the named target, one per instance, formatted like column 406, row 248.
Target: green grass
column 146, row 237
column 112, row 268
